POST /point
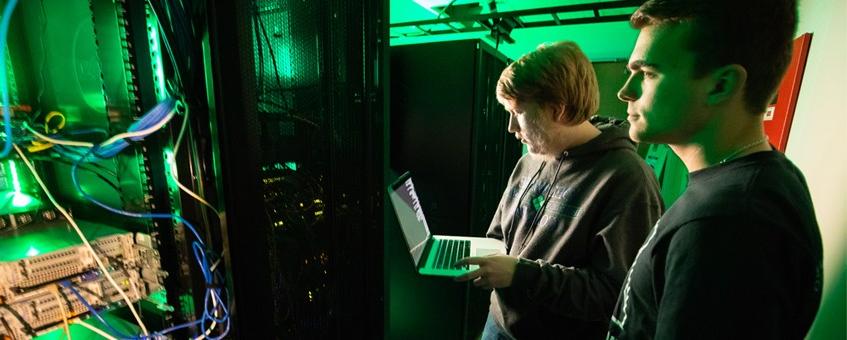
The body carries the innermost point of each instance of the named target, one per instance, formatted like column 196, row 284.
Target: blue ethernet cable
column 67, row 285
column 154, row 116
column 151, row 118
column 112, row 329
column 4, row 86
column 198, row 247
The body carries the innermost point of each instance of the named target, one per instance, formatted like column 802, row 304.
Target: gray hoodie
column 597, row 201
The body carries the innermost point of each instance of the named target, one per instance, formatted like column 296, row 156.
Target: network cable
column 219, row 312
column 95, row 330
column 182, row 187
column 67, row 285
column 212, row 295
column 83, row 238
column 152, row 121
column 4, row 86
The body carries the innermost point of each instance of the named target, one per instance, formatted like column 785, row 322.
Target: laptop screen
column 409, row 213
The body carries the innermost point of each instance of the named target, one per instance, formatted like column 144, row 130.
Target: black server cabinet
column 448, row 129
column 298, row 92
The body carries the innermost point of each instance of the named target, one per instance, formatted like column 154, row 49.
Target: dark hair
column 551, row 75
column 756, row 34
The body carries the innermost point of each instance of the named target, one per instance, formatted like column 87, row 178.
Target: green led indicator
column 170, row 161
column 32, row 252
column 15, row 182
column 18, row 199
column 156, row 55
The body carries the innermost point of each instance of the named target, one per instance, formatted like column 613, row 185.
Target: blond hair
column 553, row 75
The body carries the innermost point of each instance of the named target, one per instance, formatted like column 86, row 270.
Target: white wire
column 200, row 199
column 95, row 329
column 58, row 141
column 215, row 265
column 141, row 133
column 214, row 323
column 173, row 170
column 109, row 141
column 84, row 240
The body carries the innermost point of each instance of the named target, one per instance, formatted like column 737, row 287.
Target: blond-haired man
column 576, row 207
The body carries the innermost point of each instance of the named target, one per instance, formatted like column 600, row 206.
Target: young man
column 575, row 210
column 738, row 256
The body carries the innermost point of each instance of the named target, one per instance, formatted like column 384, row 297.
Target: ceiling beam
column 596, row 7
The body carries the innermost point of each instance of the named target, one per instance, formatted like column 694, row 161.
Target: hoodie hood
column 614, row 134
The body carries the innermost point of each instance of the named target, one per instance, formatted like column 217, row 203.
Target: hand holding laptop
column 434, row 254
column 495, row 271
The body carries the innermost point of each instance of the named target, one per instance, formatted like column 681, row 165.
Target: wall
column 813, row 145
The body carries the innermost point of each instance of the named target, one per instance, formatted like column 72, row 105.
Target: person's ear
column 559, row 112
column 725, row 83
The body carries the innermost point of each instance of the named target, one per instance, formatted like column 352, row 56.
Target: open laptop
column 434, row 254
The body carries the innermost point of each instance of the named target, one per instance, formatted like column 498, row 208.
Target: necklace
column 742, row 149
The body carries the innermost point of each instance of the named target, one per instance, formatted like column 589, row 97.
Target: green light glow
column 14, row 170
column 156, row 55
column 160, row 299
column 48, row 238
column 20, row 200
column 170, row 174
column 79, row 332
column 170, row 161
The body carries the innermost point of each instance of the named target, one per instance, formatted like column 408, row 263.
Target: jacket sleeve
column 590, row 292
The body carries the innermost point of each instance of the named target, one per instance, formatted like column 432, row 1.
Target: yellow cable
column 55, row 291
column 50, row 116
column 38, row 146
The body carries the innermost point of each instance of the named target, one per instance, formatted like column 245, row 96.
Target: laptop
column 434, row 254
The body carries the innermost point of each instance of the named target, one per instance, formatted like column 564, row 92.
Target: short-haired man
column 738, row 255
column 576, row 207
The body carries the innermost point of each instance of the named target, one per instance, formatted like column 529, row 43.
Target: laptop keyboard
column 449, row 251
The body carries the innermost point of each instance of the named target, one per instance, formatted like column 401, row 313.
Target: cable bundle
column 215, row 310
column 149, row 123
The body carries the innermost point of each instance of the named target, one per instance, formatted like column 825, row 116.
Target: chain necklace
column 742, row 149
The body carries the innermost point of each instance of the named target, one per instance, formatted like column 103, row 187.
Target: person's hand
column 495, row 271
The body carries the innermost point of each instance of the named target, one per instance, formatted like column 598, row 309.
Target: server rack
column 298, row 92
column 86, row 71
column 448, row 129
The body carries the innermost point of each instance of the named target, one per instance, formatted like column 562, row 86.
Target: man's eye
column 649, row 75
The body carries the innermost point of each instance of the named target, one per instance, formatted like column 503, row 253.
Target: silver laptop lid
column 407, row 207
